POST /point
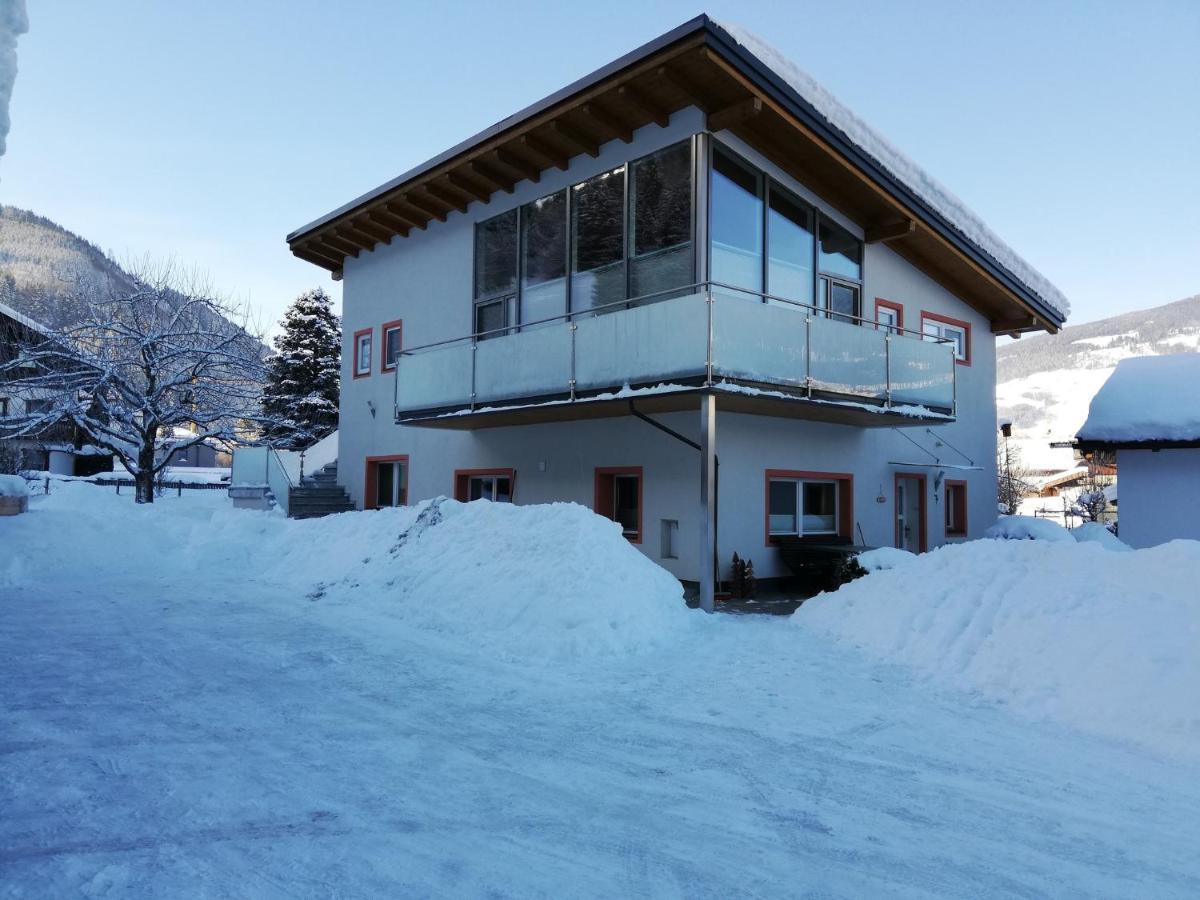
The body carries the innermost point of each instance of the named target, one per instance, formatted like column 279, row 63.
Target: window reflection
column 598, row 241
column 736, row 224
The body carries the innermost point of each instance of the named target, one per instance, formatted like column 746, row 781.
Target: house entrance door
column 910, row 513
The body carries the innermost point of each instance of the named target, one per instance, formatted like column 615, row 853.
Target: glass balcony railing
column 713, row 335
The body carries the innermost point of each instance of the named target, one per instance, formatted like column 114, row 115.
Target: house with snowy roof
column 694, row 292
column 57, row 446
column 1147, row 414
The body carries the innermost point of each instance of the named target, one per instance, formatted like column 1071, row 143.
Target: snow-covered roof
column 1147, row 398
column 901, row 167
column 6, row 310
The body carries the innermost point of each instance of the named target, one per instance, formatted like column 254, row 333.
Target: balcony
column 761, row 355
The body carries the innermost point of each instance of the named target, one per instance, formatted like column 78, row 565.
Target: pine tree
column 300, row 400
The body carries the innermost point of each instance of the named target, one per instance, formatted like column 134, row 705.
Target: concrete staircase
column 318, row 495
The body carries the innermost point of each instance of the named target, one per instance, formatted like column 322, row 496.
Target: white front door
column 910, row 498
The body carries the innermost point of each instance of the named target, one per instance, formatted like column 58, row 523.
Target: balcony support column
column 708, row 501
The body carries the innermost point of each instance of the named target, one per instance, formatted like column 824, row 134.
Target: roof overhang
column 697, row 64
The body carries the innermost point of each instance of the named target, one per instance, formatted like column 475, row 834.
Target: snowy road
column 166, row 735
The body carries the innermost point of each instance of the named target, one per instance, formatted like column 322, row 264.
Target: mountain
column 42, row 265
column 1044, row 384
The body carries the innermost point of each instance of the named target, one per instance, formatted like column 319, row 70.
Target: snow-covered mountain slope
column 1044, row 384
column 42, row 265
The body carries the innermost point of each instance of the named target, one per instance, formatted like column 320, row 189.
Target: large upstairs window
column 598, row 241
column 736, row 223
column 660, row 213
column 622, row 234
column 840, row 285
column 495, row 273
column 766, row 240
column 544, row 258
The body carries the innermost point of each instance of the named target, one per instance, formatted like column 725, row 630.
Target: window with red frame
column 956, row 509
column 392, row 335
column 362, row 353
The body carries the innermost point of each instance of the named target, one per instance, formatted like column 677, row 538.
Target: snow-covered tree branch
column 141, row 368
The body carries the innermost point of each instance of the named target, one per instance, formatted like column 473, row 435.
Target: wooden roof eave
column 700, row 66
column 576, row 124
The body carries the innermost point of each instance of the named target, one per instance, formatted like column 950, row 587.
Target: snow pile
column 537, row 582
column 544, row 581
column 13, row 486
column 1094, row 532
column 1027, row 528
column 883, row 558
column 1147, row 398
column 920, row 182
column 1106, row 642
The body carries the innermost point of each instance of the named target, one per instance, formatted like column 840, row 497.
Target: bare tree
column 1013, row 483
column 145, row 370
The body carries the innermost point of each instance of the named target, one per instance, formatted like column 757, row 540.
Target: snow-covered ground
column 230, row 704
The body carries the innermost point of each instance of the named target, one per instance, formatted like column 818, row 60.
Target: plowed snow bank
column 1108, row 642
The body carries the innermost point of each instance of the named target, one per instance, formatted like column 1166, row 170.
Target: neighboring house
column 55, row 447
column 1148, row 414
column 693, row 251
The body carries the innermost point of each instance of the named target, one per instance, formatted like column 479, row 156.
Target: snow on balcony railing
column 711, row 332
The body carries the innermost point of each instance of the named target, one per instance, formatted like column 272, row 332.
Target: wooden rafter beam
column 631, row 96
column 469, row 186
column 425, row 205
column 576, row 138
column 367, row 226
column 351, row 233
column 608, row 120
column 520, row 165
column 490, row 176
column 389, row 221
column 319, row 255
column 1014, row 325
column 665, row 75
column 539, row 149
column 889, row 231
column 451, row 200
column 400, row 211
column 735, row 113
column 330, row 239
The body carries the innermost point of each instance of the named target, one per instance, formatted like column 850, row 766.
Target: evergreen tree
column 300, row 400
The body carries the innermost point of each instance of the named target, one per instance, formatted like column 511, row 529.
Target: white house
column 692, row 291
column 1148, row 413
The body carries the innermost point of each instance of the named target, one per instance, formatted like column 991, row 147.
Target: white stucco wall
column 1159, row 496
column 426, row 280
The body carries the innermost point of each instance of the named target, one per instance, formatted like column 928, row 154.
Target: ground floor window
column 387, row 481
column 956, row 509
column 809, row 504
column 484, row 484
column 619, row 497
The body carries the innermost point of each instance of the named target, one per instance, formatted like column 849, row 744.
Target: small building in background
column 1148, row 415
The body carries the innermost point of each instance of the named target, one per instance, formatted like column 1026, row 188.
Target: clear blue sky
column 207, row 131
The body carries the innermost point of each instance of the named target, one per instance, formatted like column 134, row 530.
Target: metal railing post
column 953, row 384
column 474, row 348
column 708, row 351
column 887, row 368
column 573, row 328
column 808, row 355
